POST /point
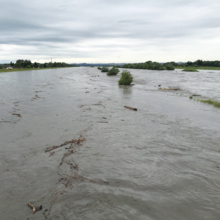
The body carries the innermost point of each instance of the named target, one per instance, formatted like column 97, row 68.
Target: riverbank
column 200, row 68
column 29, row 69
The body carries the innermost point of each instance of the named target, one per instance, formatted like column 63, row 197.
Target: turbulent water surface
column 160, row 162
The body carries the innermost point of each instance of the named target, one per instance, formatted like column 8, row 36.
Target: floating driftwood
column 34, row 209
column 74, row 141
column 19, row 115
column 169, row 89
column 134, row 109
column 52, row 153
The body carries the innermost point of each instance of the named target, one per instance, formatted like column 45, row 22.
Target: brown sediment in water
column 104, row 161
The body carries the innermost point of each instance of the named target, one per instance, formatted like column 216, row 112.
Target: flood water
column 159, row 162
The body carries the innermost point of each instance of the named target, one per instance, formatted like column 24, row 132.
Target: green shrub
column 169, row 67
column 99, row 68
column 28, row 66
column 1, row 67
column 126, row 78
column 113, row 71
column 105, row 69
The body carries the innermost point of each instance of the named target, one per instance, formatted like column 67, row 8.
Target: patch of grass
column 126, row 78
column 28, row 69
column 113, row 71
column 200, row 67
column 211, row 102
column 190, row 69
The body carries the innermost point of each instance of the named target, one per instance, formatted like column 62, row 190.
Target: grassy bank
column 190, row 69
column 210, row 102
column 199, row 68
column 28, row 69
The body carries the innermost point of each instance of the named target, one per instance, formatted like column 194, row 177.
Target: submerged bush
column 113, row 71
column 126, row 78
column 99, row 68
column 104, row 69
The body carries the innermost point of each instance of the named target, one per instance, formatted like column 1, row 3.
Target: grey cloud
column 50, row 24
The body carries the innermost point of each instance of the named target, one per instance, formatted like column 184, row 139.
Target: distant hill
column 98, row 64
column 107, row 64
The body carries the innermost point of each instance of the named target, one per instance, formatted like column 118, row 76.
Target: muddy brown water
column 160, row 162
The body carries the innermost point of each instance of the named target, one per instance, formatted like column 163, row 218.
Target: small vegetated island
column 21, row 65
column 126, row 78
column 190, row 69
column 104, row 69
column 113, row 71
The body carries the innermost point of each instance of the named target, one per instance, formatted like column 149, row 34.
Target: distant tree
column 198, row 63
column 169, row 66
column 35, row 65
column 189, row 63
column 150, row 65
column 144, row 66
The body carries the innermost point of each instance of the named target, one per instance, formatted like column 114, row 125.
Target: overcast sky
column 117, row 31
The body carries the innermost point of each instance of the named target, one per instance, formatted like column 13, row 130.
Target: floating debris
column 19, row 115
column 74, row 141
column 34, row 209
column 134, row 109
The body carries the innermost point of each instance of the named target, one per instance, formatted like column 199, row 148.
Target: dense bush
column 28, row 66
column 158, row 66
column 113, row 71
column 99, row 68
column 1, row 67
column 126, row 78
column 105, row 69
column 169, row 67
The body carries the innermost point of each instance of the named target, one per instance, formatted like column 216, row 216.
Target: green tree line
column 28, row 64
column 198, row 63
column 171, row 65
column 203, row 63
column 150, row 66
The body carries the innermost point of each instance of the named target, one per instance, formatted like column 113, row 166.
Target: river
column 159, row 162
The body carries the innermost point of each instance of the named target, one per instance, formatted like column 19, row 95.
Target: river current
column 159, row 162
